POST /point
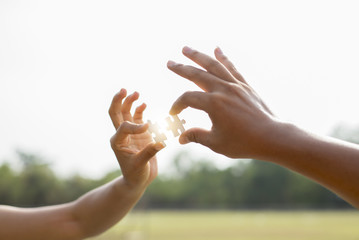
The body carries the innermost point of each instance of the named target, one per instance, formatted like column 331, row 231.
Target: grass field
column 248, row 225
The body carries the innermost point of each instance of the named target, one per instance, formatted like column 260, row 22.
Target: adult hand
column 243, row 126
column 132, row 143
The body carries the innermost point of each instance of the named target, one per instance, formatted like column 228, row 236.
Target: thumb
column 197, row 135
column 149, row 152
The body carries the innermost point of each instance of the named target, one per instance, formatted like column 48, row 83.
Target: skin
column 103, row 207
column 244, row 127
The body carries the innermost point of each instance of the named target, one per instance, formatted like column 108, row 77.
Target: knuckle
column 192, row 137
column 214, row 101
column 113, row 141
column 230, row 88
column 217, row 100
column 185, row 97
column 124, row 126
column 232, row 68
column 186, row 94
column 124, row 110
column 224, row 58
column 151, row 152
column 246, row 87
column 194, row 73
column 116, row 97
column 195, row 54
column 177, row 66
column 111, row 112
column 212, row 64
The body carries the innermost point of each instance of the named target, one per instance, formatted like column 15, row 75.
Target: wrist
column 130, row 189
column 285, row 142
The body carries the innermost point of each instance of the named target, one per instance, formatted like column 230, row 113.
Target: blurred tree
column 346, row 133
column 37, row 183
column 255, row 185
column 193, row 184
column 8, row 183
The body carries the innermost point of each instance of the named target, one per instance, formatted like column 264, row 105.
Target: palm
column 129, row 149
column 137, row 143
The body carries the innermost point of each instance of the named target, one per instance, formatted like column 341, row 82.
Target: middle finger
column 127, row 105
column 211, row 65
column 202, row 79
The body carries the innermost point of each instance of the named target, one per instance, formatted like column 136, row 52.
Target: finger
column 127, row 105
column 228, row 64
column 197, row 135
column 197, row 100
column 137, row 116
column 211, row 65
column 202, row 79
column 149, row 152
column 115, row 108
column 125, row 129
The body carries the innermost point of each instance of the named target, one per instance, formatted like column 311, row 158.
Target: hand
column 132, row 143
column 243, row 126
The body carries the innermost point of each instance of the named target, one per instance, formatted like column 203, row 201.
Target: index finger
column 197, row 100
column 228, row 64
column 115, row 108
column 202, row 79
column 211, row 65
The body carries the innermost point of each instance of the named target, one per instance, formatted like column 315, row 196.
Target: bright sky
column 62, row 61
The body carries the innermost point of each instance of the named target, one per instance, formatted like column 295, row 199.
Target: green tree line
column 196, row 185
column 260, row 185
column 36, row 184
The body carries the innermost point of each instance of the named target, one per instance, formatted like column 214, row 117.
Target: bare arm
column 103, row 207
column 243, row 126
column 91, row 214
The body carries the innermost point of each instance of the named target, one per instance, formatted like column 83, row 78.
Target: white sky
column 62, row 61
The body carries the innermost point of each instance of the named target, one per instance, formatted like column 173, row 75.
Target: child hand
column 132, row 143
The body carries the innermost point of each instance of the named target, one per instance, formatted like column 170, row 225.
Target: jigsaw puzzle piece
column 175, row 125
column 156, row 134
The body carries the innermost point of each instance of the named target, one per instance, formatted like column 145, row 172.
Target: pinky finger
column 228, row 64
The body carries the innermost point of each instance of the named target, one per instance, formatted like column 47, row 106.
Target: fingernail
column 159, row 146
column 136, row 94
column 172, row 111
column 141, row 125
column 122, row 92
column 184, row 140
column 219, row 50
column 187, row 50
column 171, row 63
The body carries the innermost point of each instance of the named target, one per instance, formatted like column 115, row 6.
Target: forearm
column 103, row 207
column 330, row 162
column 91, row 214
column 53, row 222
